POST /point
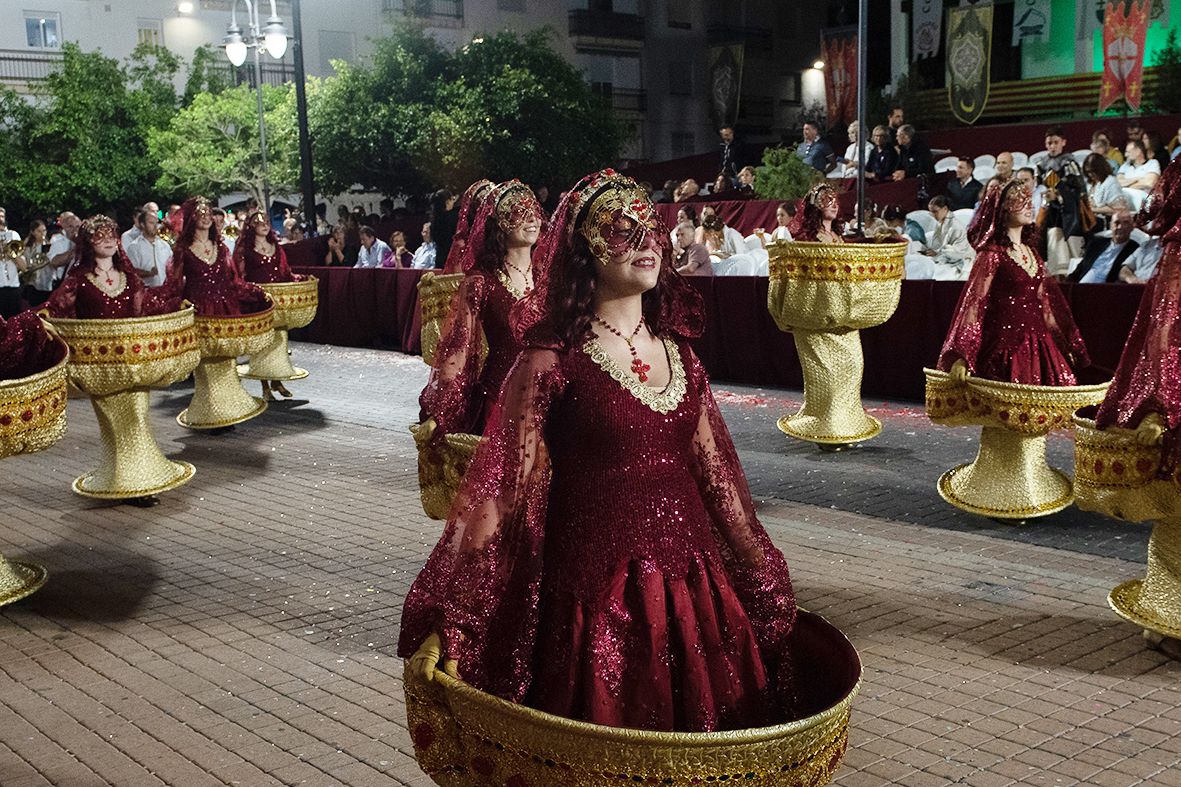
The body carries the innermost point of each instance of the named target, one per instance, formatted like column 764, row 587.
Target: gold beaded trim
column 235, row 326
column 660, row 401
column 841, row 262
column 513, row 289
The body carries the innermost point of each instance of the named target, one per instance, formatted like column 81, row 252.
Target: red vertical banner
column 838, row 50
column 1123, row 52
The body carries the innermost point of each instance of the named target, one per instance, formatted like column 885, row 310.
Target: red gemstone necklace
column 639, row 368
column 526, row 276
column 107, row 273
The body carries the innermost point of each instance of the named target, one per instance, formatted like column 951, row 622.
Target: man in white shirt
column 373, row 250
column 10, row 281
column 1104, row 257
column 148, row 252
column 219, row 221
column 61, row 255
column 1141, row 266
column 133, row 232
column 952, row 254
column 424, row 255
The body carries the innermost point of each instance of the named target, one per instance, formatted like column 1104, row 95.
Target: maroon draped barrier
column 365, row 307
column 747, row 214
column 362, row 307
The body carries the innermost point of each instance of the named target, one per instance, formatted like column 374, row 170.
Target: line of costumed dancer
column 602, row 560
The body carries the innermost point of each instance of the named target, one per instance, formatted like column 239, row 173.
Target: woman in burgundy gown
column 26, row 348
column 603, row 560
column 469, row 206
column 1146, row 392
column 1012, row 322
column 102, row 284
column 202, row 272
column 818, row 220
column 259, row 259
column 498, row 267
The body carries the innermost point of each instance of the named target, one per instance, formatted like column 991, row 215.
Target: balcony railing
column 438, row 13
column 17, row 65
column 756, row 39
column 272, row 73
column 622, row 99
column 597, row 24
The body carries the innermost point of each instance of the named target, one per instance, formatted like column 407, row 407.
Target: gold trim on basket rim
column 33, row 576
column 261, row 406
column 837, row 262
column 186, row 475
column 830, row 439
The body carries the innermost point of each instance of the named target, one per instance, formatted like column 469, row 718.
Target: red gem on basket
column 5, row 419
column 1143, row 466
column 424, row 736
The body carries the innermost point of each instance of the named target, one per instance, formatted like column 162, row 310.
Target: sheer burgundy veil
column 541, row 318
column 1161, row 212
column 246, row 238
column 988, row 224
column 469, row 204
column 84, row 255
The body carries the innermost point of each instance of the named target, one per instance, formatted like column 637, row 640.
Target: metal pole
column 307, row 184
column 862, row 46
column 262, row 128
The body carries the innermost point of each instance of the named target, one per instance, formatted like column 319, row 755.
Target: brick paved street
column 242, row 631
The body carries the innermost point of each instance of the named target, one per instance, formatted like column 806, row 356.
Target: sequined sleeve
column 964, row 336
column 479, row 588
column 64, row 299
column 448, row 396
column 757, row 568
column 1060, row 321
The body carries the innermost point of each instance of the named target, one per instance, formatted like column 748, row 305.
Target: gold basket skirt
column 117, row 362
column 464, row 737
column 440, row 471
column 218, row 397
column 823, row 294
column 1117, row 476
column 1010, row 478
column 436, row 291
column 32, row 418
column 295, row 306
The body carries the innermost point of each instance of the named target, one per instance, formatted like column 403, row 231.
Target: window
column 150, row 31
column 511, row 5
column 680, row 79
column 679, row 14
column 335, row 45
column 683, row 144
column 43, row 29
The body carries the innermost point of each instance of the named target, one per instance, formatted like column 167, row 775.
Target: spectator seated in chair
column 963, row 191
column 1104, row 257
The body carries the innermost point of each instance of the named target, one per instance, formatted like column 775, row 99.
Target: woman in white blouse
column 1103, row 189
column 850, row 161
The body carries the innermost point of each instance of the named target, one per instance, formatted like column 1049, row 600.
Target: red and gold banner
column 1123, row 52
column 838, row 49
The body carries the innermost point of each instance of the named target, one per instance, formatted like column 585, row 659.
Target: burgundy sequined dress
column 603, row 560
column 214, row 288
column 462, row 391
column 1148, row 379
column 26, row 348
column 83, row 295
column 266, row 268
column 1013, row 327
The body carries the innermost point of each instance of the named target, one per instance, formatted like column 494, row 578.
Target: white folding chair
column 1019, row 160
column 987, row 160
column 964, row 215
column 1081, row 155
column 946, row 164
column 1037, row 158
column 924, row 219
column 984, row 172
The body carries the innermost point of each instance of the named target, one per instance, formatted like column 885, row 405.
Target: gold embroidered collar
column 662, row 401
column 110, row 290
column 513, row 289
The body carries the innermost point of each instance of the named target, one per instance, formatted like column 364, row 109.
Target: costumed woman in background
column 1146, row 392
column 259, row 258
column 102, row 283
column 603, row 561
column 817, row 219
column 202, row 272
column 1012, row 323
column 469, row 206
column 498, row 267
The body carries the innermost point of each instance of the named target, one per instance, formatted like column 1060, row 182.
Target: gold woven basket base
column 1010, row 478
column 272, row 363
column 466, row 738
column 435, row 293
column 832, row 413
column 19, row 579
column 219, row 400
column 132, row 464
column 1155, row 602
column 440, row 473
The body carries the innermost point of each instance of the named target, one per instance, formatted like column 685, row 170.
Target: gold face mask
column 516, row 206
column 620, row 219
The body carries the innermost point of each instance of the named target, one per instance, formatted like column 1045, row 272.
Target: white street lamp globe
column 235, row 46
column 275, row 36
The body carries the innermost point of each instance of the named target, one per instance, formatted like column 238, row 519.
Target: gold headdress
column 615, row 193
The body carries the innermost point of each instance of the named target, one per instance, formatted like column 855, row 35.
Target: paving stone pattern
column 242, row 632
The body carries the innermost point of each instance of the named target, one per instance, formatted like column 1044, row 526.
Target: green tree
column 514, row 107
column 784, row 175
column 211, row 147
column 207, row 74
column 151, row 71
column 1167, row 96
column 80, row 144
column 417, row 117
